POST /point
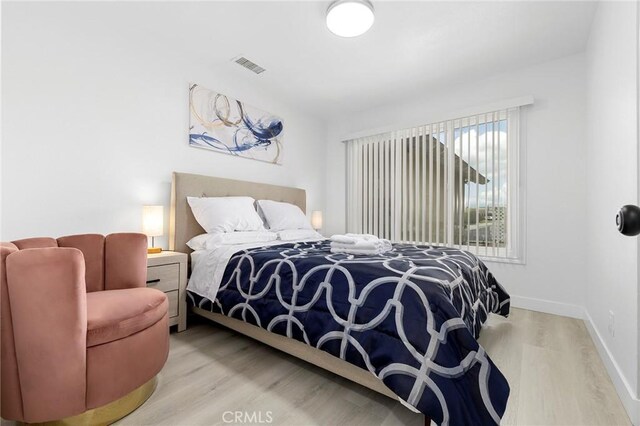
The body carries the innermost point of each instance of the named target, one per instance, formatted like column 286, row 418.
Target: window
column 452, row 183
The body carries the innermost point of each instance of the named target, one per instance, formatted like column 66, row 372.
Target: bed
column 402, row 324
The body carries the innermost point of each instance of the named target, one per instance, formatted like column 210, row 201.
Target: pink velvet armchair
column 81, row 332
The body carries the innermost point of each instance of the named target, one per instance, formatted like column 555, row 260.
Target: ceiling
column 412, row 46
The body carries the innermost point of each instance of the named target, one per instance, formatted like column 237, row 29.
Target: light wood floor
column 555, row 373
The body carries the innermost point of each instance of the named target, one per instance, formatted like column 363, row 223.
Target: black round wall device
column 628, row 220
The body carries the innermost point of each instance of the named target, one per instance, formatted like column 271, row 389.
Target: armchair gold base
column 109, row 413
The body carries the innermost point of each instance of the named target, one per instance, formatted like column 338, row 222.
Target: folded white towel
column 353, row 238
column 370, row 245
column 343, row 239
column 362, row 236
column 364, row 245
column 356, row 251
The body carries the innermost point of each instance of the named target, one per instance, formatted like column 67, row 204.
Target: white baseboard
column 548, row 307
column 625, row 392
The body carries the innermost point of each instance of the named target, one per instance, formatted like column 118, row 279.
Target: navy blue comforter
column 410, row 316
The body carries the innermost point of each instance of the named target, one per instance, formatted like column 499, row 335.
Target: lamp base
column 154, row 250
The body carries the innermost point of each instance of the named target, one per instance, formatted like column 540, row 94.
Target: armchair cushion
column 114, row 315
column 92, row 248
column 47, row 298
column 125, row 261
column 10, row 393
column 39, row 242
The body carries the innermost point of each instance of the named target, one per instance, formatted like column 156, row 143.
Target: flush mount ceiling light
column 350, row 18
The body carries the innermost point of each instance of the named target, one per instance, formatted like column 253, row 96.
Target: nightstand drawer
column 173, row 303
column 164, row 277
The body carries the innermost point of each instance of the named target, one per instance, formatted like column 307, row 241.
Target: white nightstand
column 167, row 271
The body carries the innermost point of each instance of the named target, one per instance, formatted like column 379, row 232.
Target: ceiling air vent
column 249, row 65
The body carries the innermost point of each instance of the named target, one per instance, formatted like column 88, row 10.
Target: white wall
column 95, row 122
column 612, row 162
column 554, row 136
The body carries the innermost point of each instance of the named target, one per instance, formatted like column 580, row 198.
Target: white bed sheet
column 208, row 266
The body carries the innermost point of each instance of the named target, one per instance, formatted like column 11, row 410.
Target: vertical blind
column 447, row 183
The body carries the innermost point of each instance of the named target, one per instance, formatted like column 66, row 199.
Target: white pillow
column 225, row 214
column 299, row 234
column 279, row 216
column 212, row 241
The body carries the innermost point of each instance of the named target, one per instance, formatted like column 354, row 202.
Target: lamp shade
column 152, row 221
column 316, row 219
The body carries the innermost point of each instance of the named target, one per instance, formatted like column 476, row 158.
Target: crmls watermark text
column 241, row 417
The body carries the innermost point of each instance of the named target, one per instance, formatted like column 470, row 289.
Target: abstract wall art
column 222, row 124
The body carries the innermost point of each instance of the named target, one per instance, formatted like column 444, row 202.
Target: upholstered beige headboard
column 183, row 226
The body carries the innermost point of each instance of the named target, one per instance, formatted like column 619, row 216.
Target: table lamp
column 153, row 225
column 316, row 220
